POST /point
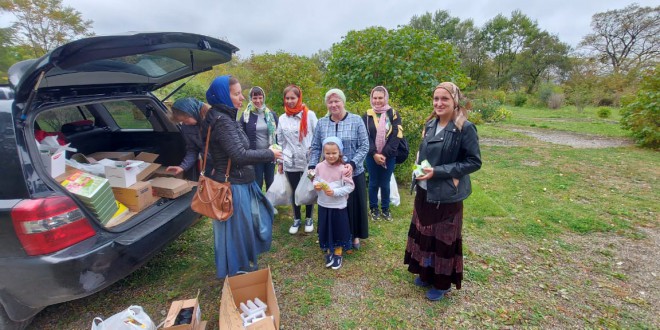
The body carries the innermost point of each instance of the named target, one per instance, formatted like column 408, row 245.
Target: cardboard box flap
column 240, row 288
column 146, row 157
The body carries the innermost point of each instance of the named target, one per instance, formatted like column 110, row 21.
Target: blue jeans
column 264, row 172
column 379, row 178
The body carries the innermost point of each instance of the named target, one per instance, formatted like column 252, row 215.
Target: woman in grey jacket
column 450, row 144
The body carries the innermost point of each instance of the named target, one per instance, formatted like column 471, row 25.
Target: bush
column 642, row 115
column 604, row 112
column 488, row 110
column 556, row 101
column 519, row 100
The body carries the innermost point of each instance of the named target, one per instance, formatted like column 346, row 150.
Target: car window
column 53, row 120
column 127, row 115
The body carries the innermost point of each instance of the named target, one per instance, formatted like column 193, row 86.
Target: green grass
column 568, row 119
column 545, row 231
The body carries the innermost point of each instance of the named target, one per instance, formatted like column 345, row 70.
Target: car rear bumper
column 29, row 284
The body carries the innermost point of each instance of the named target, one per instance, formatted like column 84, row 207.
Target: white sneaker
column 294, row 228
column 309, row 225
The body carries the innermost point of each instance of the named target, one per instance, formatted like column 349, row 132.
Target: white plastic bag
column 305, row 193
column 395, row 198
column 279, row 192
column 132, row 318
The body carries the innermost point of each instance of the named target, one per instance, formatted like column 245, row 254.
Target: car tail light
column 50, row 224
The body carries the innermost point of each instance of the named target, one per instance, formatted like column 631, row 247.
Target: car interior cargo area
column 108, row 154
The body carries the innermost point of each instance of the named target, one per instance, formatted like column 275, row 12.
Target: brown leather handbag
column 212, row 198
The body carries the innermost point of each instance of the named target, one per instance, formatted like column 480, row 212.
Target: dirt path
column 557, row 137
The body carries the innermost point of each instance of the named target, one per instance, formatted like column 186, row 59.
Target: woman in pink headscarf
column 384, row 127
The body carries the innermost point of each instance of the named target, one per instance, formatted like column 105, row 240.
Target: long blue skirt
column 246, row 234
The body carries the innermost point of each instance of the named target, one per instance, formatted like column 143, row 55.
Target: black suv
column 96, row 94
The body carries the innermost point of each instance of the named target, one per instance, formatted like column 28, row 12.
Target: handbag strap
column 206, row 153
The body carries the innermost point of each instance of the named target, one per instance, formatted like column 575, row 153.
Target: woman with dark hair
column 260, row 123
column 249, row 231
column 450, row 145
column 384, row 127
column 295, row 136
column 189, row 113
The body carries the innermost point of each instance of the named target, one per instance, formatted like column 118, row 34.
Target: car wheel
column 8, row 324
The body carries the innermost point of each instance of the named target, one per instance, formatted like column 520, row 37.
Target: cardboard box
column 144, row 169
column 53, row 155
column 137, row 197
column 170, row 187
column 148, row 167
column 161, row 172
column 121, row 173
column 116, row 155
column 176, row 307
column 55, row 162
column 240, row 288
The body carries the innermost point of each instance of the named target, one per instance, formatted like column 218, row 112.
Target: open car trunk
column 110, row 156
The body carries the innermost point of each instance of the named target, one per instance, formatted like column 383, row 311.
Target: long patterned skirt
column 435, row 245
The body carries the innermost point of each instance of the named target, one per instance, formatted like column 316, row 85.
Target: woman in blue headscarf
column 189, row 112
column 249, row 231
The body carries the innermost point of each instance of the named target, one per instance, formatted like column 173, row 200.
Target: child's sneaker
column 309, row 225
column 386, row 215
column 329, row 260
column 420, row 283
column 336, row 264
column 294, row 228
column 375, row 214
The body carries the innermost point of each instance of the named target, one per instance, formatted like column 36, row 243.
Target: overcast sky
column 305, row 27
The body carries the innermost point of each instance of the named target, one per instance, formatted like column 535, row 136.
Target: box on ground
column 241, row 288
column 177, row 306
column 170, row 187
column 136, row 197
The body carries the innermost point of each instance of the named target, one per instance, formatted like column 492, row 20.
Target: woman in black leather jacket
column 249, row 231
column 451, row 145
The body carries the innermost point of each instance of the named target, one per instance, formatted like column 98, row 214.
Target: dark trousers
column 379, row 178
column 294, row 179
column 264, row 172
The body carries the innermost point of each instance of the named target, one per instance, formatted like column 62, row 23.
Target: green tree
column 505, row 38
column 542, row 52
column 273, row 72
column 642, row 115
column 42, row 25
column 6, row 57
column 625, row 38
column 409, row 62
column 463, row 35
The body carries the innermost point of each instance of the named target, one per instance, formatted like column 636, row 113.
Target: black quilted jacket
column 228, row 140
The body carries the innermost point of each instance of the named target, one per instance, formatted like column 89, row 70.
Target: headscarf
column 270, row 121
column 334, row 140
column 381, row 130
column 218, row 92
column 191, row 106
column 337, row 91
column 296, row 110
column 460, row 113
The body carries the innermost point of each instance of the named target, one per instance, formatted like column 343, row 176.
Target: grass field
column 554, row 237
